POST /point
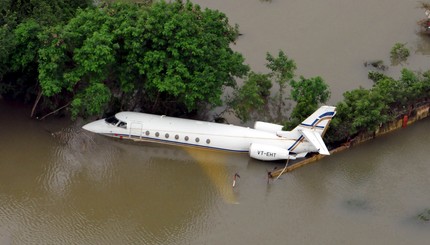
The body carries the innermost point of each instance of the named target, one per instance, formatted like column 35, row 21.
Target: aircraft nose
column 95, row 127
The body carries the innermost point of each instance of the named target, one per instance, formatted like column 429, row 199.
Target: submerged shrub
column 425, row 215
column 399, row 52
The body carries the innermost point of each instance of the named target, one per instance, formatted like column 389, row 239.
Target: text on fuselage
column 266, row 153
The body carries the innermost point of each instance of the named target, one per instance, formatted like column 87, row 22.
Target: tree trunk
column 36, row 102
column 64, row 106
column 156, row 102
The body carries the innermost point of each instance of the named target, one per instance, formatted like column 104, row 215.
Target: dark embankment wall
column 418, row 113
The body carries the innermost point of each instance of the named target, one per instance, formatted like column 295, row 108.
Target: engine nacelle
column 268, row 152
column 268, row 127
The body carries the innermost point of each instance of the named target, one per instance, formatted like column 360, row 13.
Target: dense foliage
column 161, row 58
column 254, row 98
column 22, row 22
column 365, row 110
column 282, row 72
column 251, row 97
column 171, row 58
column 399, row 53
column 308, row 95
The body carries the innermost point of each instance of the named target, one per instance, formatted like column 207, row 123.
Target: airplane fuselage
column 260, row 143
column 171, row 130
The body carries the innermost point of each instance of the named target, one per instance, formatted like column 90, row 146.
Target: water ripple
column 78, row 156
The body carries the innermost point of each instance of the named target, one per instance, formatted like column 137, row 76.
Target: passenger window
column 197, row 139
column 157, row 134
column 208, row 141
column 176, row 136
column 167, row 136
column 186, row 138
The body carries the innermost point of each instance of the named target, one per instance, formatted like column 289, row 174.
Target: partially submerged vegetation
column 425, row 23
column 399, row 53
column 366, row 110
column 425, row 215
column 253, row 101
column 174, row 58
column 168, row 58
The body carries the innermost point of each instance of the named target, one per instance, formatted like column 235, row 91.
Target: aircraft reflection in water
column 214, row 167
column 218, row 166
column 266, row 141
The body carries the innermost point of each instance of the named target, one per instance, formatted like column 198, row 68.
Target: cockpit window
column 122, row 125
column 112, row 120
column 115, row 122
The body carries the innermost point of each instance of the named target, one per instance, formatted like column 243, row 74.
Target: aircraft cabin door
column 136, row 130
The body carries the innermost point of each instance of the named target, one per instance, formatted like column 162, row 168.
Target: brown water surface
column 329, row 38
column 61, row 185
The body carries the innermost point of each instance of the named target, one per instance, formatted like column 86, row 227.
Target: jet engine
column 268, row 127
column 268, row 152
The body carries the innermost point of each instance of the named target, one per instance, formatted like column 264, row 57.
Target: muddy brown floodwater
column 61, row 185
column 329, row 38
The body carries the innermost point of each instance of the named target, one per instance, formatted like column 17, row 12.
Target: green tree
column 251, row 96
column 308, row 94
column 282, row 71
column 186, row 54
column 22, row 23
column 6, row 45
column 399, row 53
column 398, row 94
column 161, row 57
column 44, row 12
column 7, row 24
column 21, row 61
column 375, row 76
column 26, row 43
column 415, row 86
column 361, row 111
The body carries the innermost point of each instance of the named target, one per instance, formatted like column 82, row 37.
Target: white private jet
column 266, row 141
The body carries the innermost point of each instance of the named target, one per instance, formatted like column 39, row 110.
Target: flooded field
column 61, row 185
column 329, row 38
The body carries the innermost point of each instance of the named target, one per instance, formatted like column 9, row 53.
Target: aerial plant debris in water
column 425, row 215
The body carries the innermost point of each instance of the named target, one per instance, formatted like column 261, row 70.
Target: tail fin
column 312, row 129
column 318, row 121
column 315, row 126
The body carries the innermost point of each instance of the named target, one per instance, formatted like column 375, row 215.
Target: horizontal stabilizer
column 300, row 155
column 315, row 139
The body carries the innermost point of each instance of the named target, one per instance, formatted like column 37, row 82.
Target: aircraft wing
column 315, row 139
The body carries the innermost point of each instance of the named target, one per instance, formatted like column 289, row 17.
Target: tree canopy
column 21, row 26
column 308, row 94
column 365, row 110
column 251, row 97
column 169, row 58
column 254, row 98
column 160, row 58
